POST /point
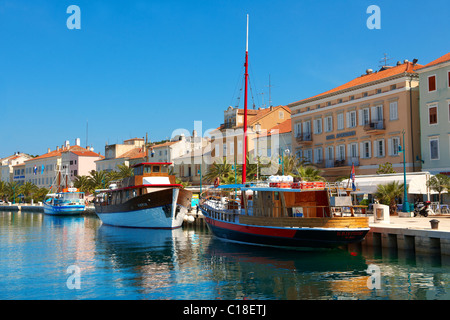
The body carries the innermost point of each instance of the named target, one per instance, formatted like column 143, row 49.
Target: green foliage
column 385, row 168
column 388, row 193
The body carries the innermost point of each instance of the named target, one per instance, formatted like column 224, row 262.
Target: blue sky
column 147, row 66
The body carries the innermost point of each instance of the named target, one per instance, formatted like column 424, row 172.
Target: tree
column 12, row 190
column 389, row 193
column 82, row 183
column 125, row 171
column 98, row 180
column 220, row 169
column 385, row 168
column 309, row 173
column 439, row 183
column 27, row 189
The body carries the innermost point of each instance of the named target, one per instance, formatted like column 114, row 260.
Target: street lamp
column 405, row 207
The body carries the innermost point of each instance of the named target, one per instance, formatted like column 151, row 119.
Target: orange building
column 361, row 123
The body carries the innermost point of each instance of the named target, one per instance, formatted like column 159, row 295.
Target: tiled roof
column 444, row 58
column 84, row 153
column 165, row 144
column 134, row 153
column 57, row 153
column 280, row 128
column 262, row 113
column 384, row 73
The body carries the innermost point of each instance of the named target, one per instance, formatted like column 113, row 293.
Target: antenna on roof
column 384, row 60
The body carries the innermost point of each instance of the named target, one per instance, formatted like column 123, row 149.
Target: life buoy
column 216, row 182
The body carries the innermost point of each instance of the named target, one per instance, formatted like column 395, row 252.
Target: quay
column 411, row 233
column 36, row 207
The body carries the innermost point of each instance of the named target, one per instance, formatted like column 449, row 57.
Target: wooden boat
column 68, row 202
column 308, row 215
column 149, row 199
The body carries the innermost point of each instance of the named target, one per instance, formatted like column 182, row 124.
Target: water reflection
column 122, row 263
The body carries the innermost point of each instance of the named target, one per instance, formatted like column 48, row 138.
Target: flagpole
column 244, row 165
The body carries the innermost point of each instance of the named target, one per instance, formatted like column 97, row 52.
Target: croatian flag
column 352, row 177
column 35, row 170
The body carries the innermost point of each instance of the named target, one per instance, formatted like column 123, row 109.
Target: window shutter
column 347, row 115
column 373, row 114
column 390, row 148
column 361, row 117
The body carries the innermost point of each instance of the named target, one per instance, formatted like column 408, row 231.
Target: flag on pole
column 352, row 177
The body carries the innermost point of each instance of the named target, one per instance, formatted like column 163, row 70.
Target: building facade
column 7, row 164
column 227, row 140
column 435, row 115
column 361, row 123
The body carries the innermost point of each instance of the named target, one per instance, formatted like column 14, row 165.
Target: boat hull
column 63, row 210
column 153, row 218
column 159, row 209
column 286, row 236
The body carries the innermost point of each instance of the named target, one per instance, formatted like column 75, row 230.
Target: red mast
column 244, row 165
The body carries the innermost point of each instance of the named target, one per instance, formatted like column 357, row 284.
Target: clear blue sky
column 155, row 66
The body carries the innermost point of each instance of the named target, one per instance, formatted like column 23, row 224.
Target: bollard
column 434, row 224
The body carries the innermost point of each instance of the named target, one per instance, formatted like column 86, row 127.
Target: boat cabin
column 148, row 177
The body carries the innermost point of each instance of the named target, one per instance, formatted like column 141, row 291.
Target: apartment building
column 7, row 171
column 435, row 115
column 360, row 123
column 42, row 170
column 121, row 153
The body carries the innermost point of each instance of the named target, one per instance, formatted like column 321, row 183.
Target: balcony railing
column 304, row 137
column 337, row 163
column 375, row 125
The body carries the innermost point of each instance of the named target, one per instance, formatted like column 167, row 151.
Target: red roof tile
column 407, row 67
column 444, row 58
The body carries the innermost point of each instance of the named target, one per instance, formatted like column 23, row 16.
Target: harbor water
column 50, row 257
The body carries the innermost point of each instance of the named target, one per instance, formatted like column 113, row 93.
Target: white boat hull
column 63, row 210
column 145, row 218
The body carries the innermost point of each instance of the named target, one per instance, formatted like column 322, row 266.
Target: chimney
column 77, row 142
column 48, row 150
column 369, row 71
column 57, row 148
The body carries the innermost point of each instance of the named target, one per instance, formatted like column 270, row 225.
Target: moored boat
column 149, row 199
column 295, row 215
column 68, row 202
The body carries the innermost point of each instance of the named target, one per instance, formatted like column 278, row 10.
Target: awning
column 416, row 182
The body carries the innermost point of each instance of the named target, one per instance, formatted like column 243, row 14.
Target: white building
column 7, row 164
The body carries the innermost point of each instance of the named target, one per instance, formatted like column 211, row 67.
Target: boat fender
column 216, row 182
column 190, row 219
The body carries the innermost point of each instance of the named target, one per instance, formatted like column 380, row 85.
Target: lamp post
column 405, row 207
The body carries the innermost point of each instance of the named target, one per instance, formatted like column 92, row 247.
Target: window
column 307, row 127
column 351, row 119
column 281, row 114
column 353, row 150
column 308, row 155
column 366, row 150
column 340, row 152
column 432, row 114
column 393, row 111
column 364, row 94
column 376, row 113
column 340, row 121
column 318, row 126
column 329, row 153
column 297, row 129
column 393, row 86
column 318, row 155
column 432, row 83
column 379, row 148
column 378, row 91
column 364, row 116
column 329, row 123
column 434, row 148
column 393, row 146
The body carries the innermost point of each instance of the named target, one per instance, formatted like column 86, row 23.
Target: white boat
column 149, row 199
column 70, row 201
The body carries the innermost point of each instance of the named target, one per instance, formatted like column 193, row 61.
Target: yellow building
column 361, row 123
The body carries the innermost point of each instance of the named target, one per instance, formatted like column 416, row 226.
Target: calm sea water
column 46, row 257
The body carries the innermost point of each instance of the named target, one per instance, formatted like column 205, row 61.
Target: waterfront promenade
column 411, row 233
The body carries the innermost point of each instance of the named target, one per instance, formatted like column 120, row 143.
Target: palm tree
column 220, row 170
column 2, row 189
column 440, row 184
column 98, row 180
column 27, row 189
column 309, row 173
column 82, row 183
column 389, row 193
column 125, row 171
column 39, row 194
column 12, row 190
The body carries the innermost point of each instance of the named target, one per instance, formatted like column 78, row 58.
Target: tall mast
column 244, row 165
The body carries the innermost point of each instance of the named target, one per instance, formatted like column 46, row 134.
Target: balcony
column 340, row 163
column 304, row 138
column 376, row 126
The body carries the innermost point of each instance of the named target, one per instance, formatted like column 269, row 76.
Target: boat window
column 155, row 168
column 138, row 170
column 148, row 169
